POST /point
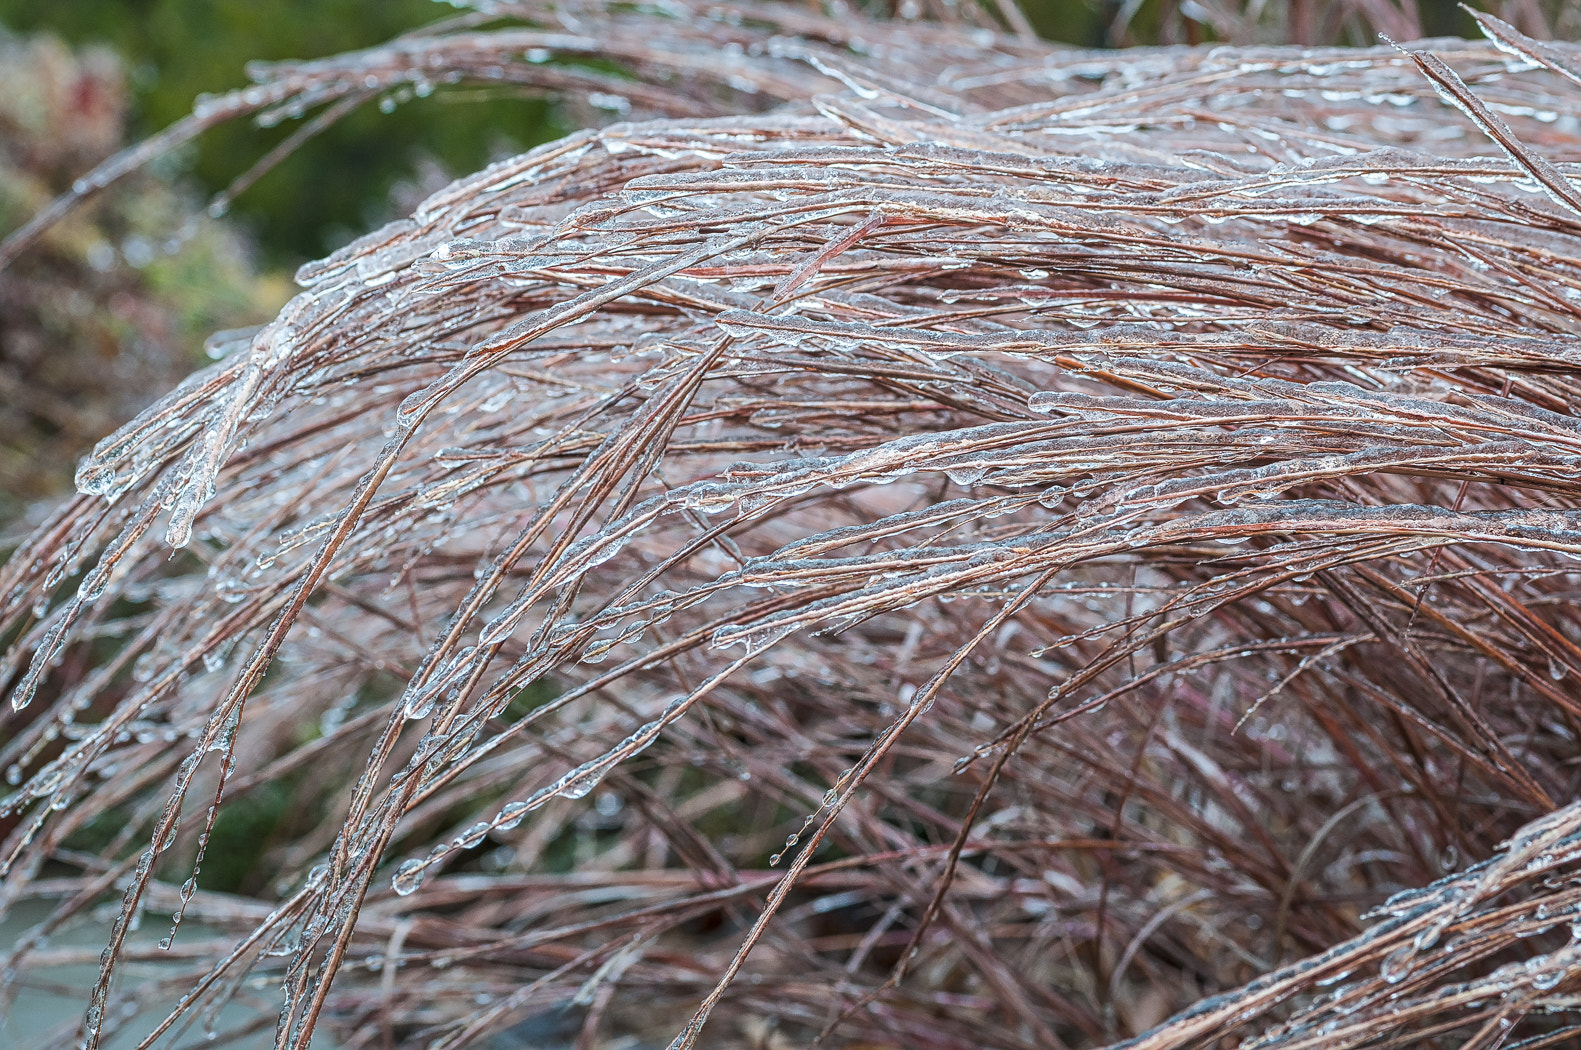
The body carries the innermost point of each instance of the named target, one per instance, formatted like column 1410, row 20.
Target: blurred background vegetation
column 337, row 185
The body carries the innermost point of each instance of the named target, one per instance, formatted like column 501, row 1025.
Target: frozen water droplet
column 473, row 836
column 408, row 877
column 419, row 704
column 1428, row 936
column 92, row 588
column 965, row 476
column 1397, row 966
column 413, row 406
column 579, row 786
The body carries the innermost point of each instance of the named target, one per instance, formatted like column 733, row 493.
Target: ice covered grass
column 1066, row 549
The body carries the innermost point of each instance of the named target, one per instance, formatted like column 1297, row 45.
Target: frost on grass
column 1073, row 549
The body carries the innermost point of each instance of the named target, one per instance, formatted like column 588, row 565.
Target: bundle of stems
column 995, row 547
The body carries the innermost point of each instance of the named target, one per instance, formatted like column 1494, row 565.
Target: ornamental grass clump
column 935, row 540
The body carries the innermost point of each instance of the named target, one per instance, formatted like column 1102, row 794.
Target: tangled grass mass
column 912, row 538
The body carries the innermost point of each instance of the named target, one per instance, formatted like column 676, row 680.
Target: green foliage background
column 337, row 185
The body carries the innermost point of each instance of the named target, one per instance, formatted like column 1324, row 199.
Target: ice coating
column 1180, row 446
